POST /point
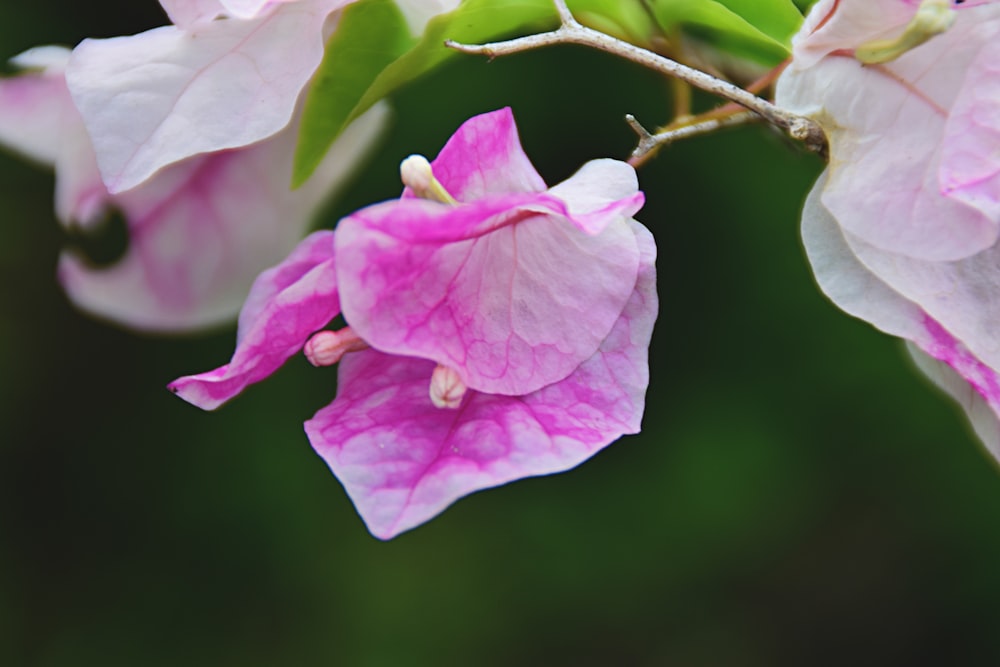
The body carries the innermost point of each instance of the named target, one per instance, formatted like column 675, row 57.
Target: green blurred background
column 798, row 496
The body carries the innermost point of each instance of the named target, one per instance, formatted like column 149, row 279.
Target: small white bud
column 447, row 389
column 416, row 173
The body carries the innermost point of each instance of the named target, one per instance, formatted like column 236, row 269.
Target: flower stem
column 570, row 31
column 649, row 143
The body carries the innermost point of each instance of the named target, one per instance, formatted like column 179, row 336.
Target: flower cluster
column 496, row 328
column 902, row 228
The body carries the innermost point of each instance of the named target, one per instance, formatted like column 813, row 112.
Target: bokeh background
column 798, row 496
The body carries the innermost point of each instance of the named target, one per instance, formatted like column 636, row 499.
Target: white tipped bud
column 326, row 348
column 447, row 389
column 416, row 173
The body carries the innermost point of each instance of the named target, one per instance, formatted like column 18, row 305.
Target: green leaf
column 760, row 30
column 778, row 19
column 371, row 35
column 625, row 19
column 374, row 63
column 372, row 53
column 474, row 22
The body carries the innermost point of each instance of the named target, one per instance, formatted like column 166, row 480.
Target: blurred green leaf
column 625, row 19
column 371, row 35
column 372, row 55
column 475, row 21
column 760, row 30
column 778, row 19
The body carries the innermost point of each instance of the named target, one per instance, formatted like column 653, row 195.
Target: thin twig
column 649, row 143
column 564, row 14
column 572, row 32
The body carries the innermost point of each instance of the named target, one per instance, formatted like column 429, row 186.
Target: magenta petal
column 484, row 157
column 511, row 303
column 512, row 287
column 286, row 305
column 402, row 461
column 314, row 250
column 973, row 385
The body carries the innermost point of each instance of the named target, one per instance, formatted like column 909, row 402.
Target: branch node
column 565, row 16
column 637, row 127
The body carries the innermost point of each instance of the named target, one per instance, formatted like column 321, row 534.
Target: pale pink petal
column 201, row 231
column 402, row 461
column 39, row 120
column 419, row 12
column 510, row 298
column 886, row 125
column 598, row 193
column 970, row 168
column 287, row 304
column 248, row 9
column 833, row 25
column 845, row 280
column 167, row 94
column 963, row 295
column 81, row 198
column 856, row 289
column 186, row 13
column 35, row 105
column 844, row 25
column 484, row 157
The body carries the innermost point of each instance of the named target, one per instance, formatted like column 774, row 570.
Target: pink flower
column 203, row 84
column 947, row 312
column 497, row 329
column 153, row 99
column 199, row 231
column 913, row 166
column 901, row 229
